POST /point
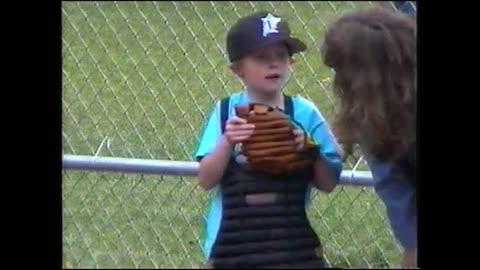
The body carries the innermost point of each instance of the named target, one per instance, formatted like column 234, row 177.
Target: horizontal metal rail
column 169, row 167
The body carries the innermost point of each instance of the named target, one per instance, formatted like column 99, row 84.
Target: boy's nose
column 274, row 63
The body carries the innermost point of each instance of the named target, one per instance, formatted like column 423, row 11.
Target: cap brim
column 294, row 45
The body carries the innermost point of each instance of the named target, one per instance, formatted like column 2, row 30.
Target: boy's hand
column 299, row 137
column 237, row 130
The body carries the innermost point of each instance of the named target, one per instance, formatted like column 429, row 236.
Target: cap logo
column 270, row 24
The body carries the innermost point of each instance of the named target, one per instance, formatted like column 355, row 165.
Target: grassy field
column 145, row 75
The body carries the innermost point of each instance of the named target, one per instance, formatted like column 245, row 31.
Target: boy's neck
column 274, row 99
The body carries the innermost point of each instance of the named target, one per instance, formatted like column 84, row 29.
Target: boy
column 255, row 219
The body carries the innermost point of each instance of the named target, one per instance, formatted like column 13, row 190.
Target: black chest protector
column 264, row 223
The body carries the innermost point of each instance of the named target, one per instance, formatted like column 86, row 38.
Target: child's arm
column 328, row 165
column 323, row 179
column 213, row 165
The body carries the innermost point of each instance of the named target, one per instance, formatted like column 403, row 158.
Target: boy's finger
column 240, row 127
column 297, row 131
column 241, row 138
column 237, row 120
column 241, row 133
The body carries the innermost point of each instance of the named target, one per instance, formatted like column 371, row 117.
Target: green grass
column 145, row 75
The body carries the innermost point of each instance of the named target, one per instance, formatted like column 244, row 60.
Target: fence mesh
column 139, row 78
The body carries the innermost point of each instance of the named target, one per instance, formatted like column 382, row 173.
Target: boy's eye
column 261, row 56
column 282, row 54
column 279, row 55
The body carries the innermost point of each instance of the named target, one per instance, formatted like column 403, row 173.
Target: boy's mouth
column 273, row 76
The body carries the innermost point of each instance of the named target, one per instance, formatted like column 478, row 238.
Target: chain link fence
column 139, row 78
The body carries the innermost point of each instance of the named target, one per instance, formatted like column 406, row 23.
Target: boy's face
column 264, row 69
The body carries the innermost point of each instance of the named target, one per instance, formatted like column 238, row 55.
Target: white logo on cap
column 270, row 24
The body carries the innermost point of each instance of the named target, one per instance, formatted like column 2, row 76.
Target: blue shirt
column 399, row 197
column 304, row 112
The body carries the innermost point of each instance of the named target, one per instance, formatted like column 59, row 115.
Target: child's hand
column 237, row 130
column 299, row 137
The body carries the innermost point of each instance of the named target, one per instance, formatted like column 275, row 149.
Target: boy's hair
column 373, row 54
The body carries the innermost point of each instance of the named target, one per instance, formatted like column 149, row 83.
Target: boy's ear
column 235, row 67
column 291, row 60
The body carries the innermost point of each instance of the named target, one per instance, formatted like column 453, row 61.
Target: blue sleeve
column 399, row 197
column 211, row 133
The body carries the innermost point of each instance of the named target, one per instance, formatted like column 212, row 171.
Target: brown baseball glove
column 271, row 148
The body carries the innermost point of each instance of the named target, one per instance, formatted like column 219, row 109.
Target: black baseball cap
column 259, row 30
